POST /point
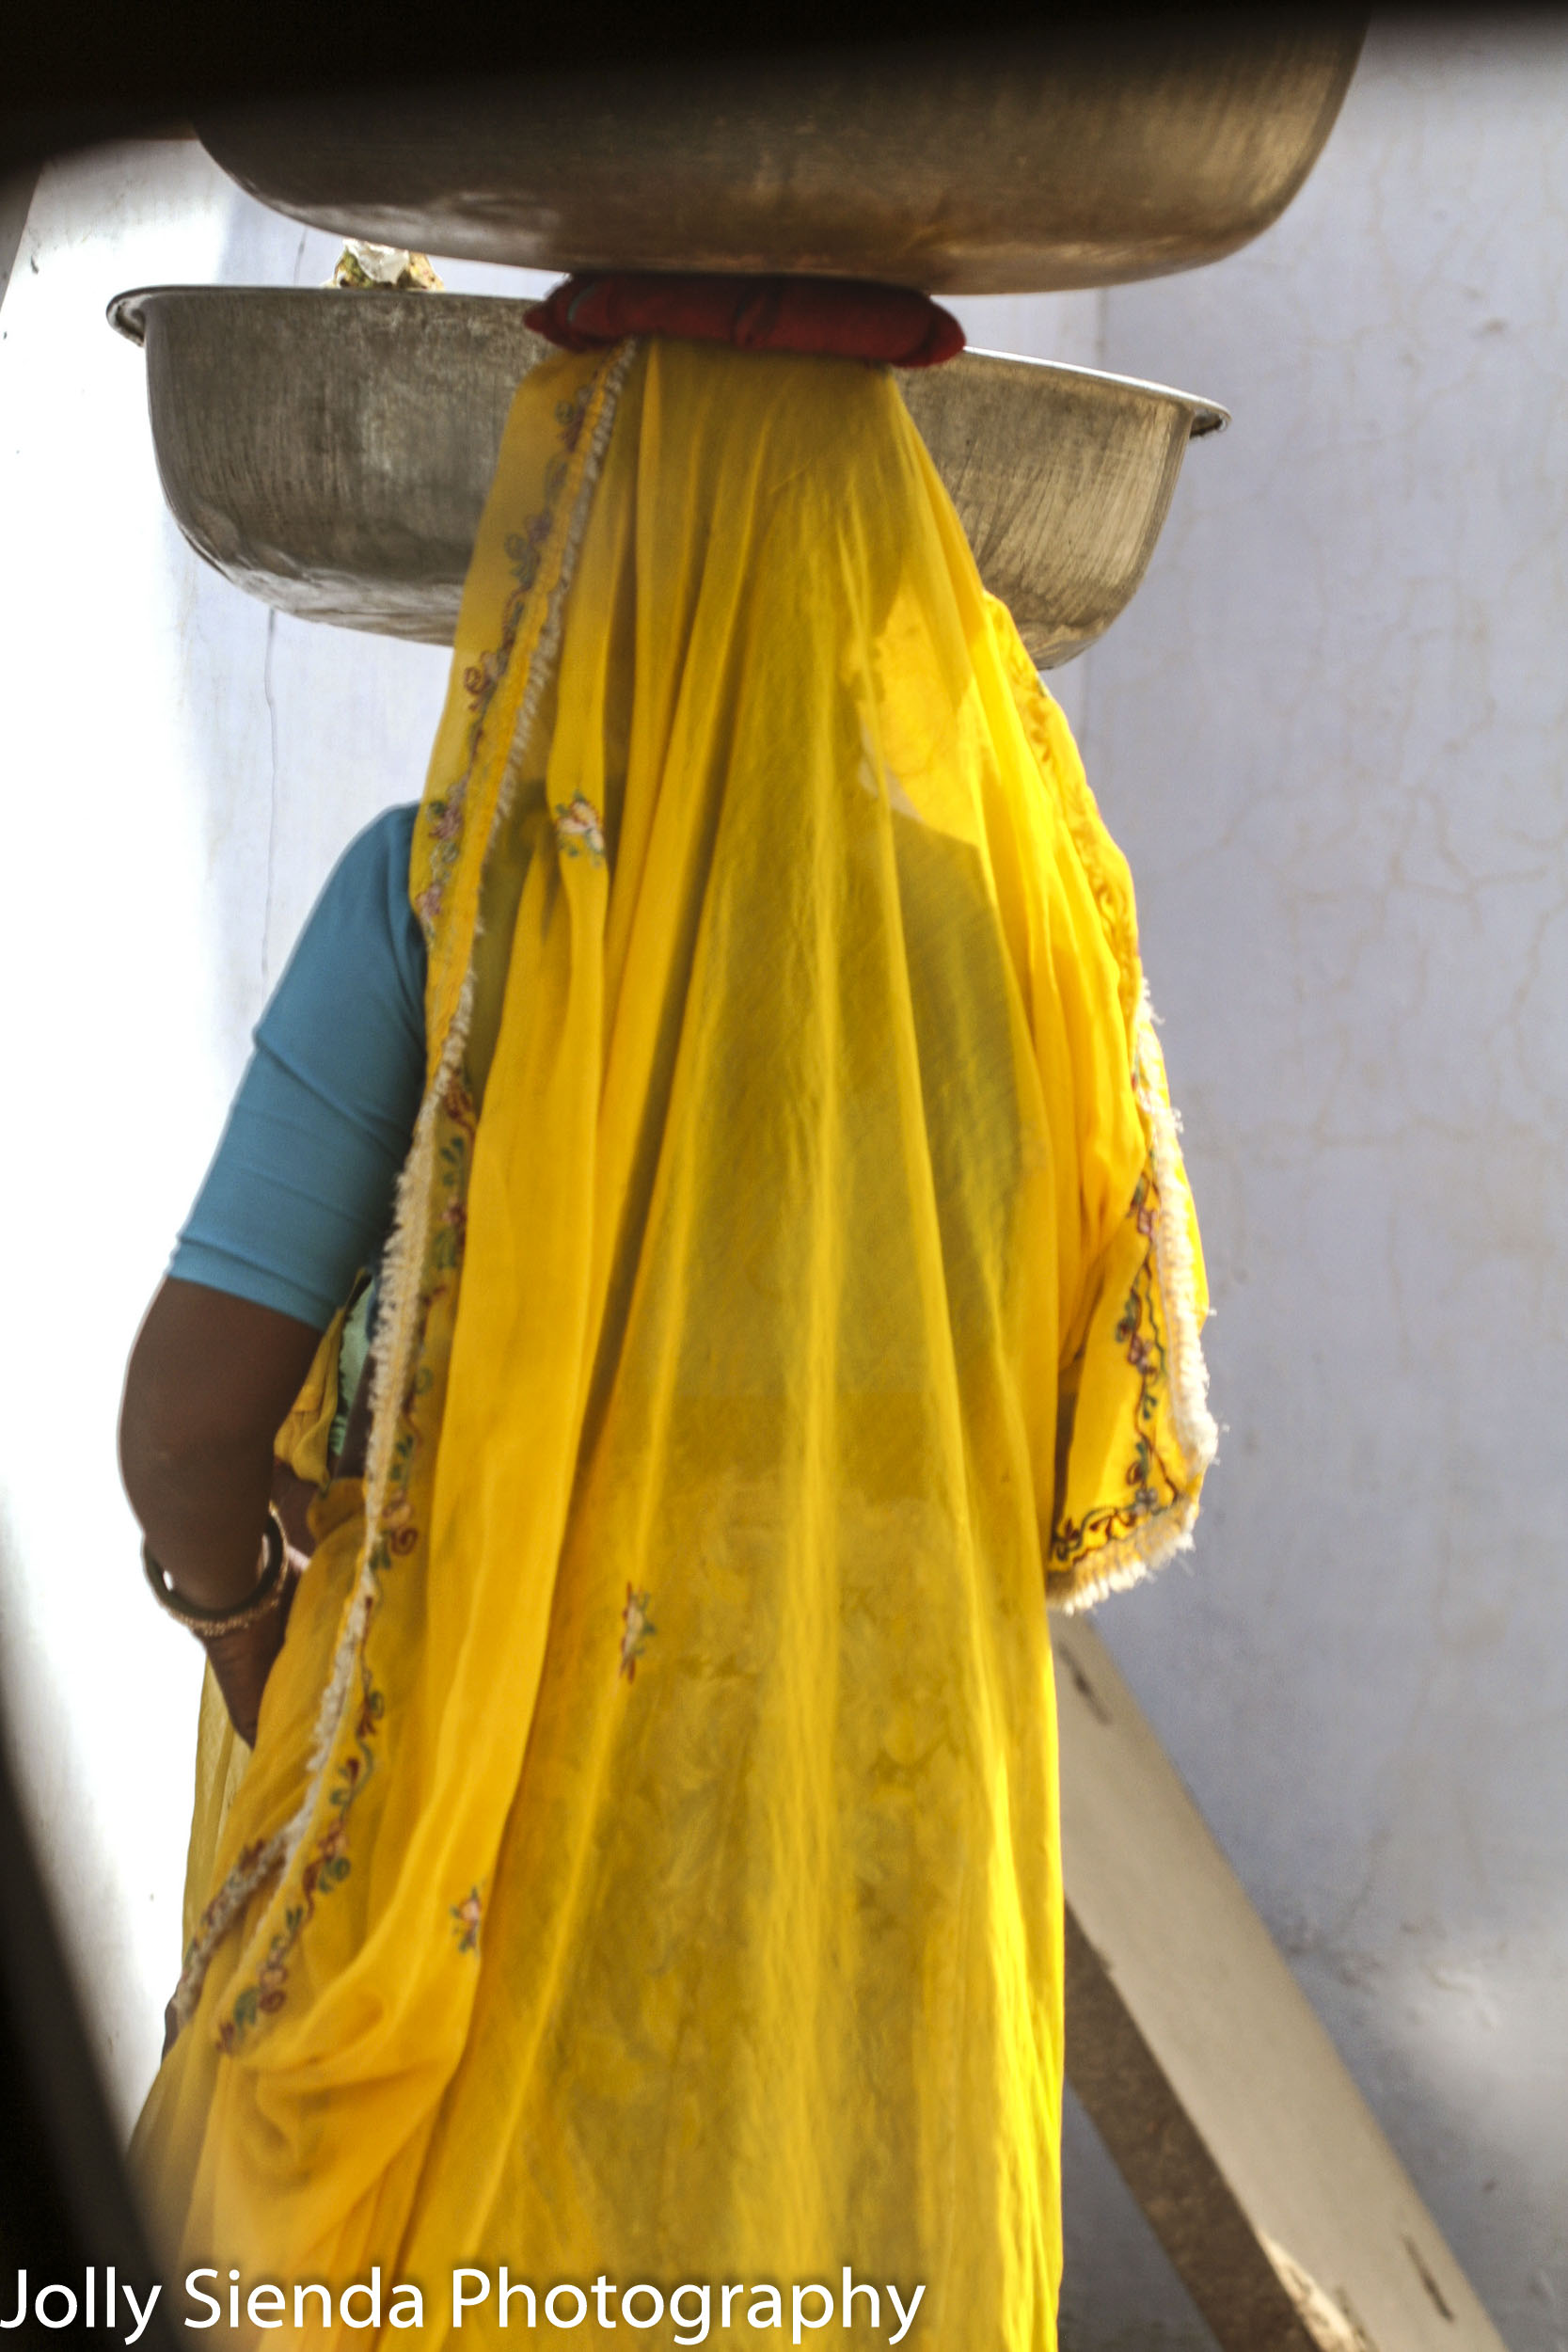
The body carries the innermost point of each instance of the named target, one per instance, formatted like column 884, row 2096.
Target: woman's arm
column 210, row 1379
column 296, row 1201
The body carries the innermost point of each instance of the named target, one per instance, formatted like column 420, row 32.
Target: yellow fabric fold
column 304, row 1442
column 648, row 1865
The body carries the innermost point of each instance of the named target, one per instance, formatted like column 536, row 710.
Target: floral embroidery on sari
column 1130, row 1488
column 327, row 1865
column 467, row 1917
column 640, row 1630
column 1146, row 1490
column 442, row 818
column 579, row 830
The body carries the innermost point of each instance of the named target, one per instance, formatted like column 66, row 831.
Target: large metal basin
column 1049, row 157
column 331, row 453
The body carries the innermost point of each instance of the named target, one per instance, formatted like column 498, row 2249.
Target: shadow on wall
column 66, row 2214
column 1120, row 2292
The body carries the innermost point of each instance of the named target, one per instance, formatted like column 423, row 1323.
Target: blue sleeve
column 300, row 1194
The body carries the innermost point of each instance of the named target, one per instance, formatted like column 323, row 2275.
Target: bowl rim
column 126, row 313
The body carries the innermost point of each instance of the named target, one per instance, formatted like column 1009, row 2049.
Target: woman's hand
column 242, row 1661
column 211, row 1378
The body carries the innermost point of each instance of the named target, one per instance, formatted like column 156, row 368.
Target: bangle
column 205, row 1621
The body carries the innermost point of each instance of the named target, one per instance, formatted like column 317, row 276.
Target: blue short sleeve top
column 299, row 1197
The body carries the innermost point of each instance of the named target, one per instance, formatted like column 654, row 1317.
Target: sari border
column 1127, row 1560
column 396, row 1348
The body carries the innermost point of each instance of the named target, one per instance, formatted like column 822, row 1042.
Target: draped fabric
column 648, row 1867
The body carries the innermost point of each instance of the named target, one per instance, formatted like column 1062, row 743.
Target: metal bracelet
column 205, row 1622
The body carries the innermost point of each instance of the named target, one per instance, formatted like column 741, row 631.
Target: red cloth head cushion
column 832, row 317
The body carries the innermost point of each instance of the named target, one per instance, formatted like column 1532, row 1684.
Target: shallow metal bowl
column 1069, row 155
column 331, row 452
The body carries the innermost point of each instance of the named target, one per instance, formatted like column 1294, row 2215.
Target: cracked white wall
column 1329, row 733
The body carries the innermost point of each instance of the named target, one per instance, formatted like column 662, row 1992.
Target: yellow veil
column 648, row 1865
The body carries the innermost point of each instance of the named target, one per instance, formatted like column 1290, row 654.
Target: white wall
column 178, row 770
column 1333, row 736
column 1329, row 733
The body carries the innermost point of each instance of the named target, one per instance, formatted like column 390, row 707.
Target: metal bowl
column 331, row 452
column 1077, row 156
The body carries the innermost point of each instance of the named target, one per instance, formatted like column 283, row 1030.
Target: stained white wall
column 1330, row 734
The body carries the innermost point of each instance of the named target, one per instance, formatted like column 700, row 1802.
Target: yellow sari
column 648, row 1867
